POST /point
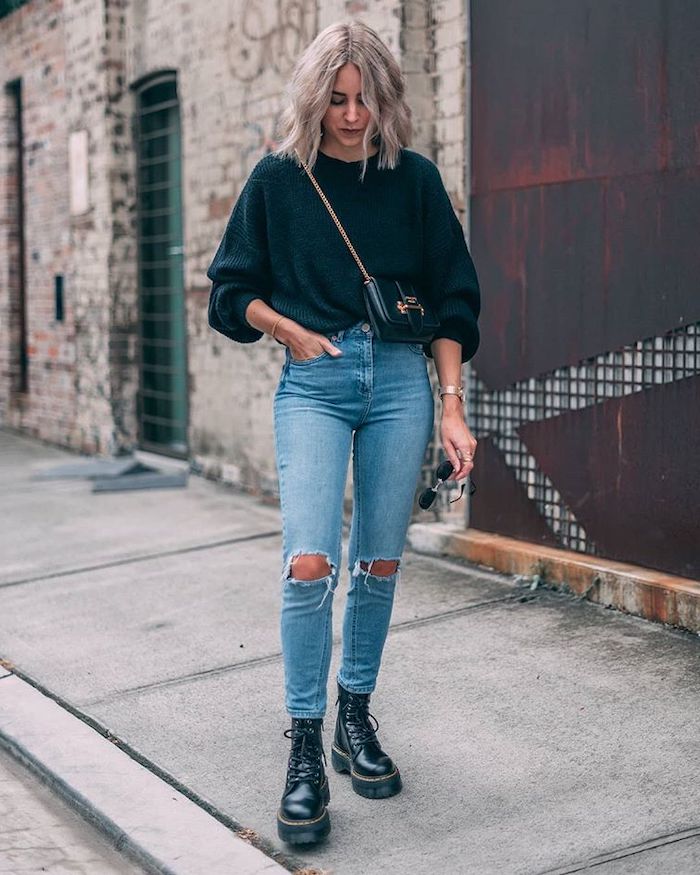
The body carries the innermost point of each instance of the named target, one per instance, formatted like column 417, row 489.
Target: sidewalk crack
column 144, row 557
column 622, row 853
column 275, row 657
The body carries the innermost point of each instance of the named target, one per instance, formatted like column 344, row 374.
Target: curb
column 643, row 592
column 145, row 819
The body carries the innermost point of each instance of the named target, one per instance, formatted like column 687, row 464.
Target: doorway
column 162, row 405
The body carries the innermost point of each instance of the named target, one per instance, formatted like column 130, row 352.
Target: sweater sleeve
column 240, row 271
column 449, row 270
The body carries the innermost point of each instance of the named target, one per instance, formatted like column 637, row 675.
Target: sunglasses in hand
column 444, row 469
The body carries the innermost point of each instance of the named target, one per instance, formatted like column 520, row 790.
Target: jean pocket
column 310, row 361
column 416, row 347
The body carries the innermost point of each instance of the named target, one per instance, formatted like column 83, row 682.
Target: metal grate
column 498, row 414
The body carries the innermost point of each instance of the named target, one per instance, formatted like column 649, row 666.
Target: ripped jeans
column 376, row 402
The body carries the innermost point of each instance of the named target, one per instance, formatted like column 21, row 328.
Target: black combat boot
column 302, row 817
column 356, row 749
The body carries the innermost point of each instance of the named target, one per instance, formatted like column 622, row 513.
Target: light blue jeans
column 376, row 401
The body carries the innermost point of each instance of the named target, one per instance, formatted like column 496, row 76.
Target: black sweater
column 282, row 246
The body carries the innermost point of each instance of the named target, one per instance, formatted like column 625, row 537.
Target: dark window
column 16, row 243
column 9, row 6
column 162, row 336
column 58, row 295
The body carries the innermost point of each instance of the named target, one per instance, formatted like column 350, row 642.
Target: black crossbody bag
column 396, row 312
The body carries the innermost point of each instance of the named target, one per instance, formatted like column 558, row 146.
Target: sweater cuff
column 239, row 305
column 463, row 331
column 226, row 315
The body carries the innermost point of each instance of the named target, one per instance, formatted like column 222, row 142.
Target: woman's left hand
column 457, row 440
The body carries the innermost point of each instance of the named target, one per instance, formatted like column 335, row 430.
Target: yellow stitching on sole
column 382, row 778
column 300, row 822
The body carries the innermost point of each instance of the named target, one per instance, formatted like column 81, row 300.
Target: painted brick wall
column 33, row 49
column 90, row 39
column 120, row 207
column 66, row 58
column 232, row 65
column 448, row 33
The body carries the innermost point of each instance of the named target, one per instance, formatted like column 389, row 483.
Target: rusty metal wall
column 585, row 218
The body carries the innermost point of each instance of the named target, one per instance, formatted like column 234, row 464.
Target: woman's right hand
column 304, row 343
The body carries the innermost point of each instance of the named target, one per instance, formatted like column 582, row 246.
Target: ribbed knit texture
column 282, row 246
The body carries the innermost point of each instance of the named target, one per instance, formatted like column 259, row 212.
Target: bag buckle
column 410, row 303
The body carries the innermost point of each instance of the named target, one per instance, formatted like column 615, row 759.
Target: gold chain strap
column 336, row 220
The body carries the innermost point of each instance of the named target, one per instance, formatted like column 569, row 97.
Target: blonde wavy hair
column 309, row 94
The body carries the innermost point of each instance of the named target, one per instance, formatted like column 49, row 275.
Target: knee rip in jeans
column 315, row 567
column 381, row 569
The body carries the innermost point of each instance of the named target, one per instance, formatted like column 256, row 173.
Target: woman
column 282, row 268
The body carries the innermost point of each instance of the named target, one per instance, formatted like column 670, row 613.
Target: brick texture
column 33, row 50
column 78, row 62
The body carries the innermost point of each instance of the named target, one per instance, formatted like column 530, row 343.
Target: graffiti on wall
column 269, row 37
column 261, row 139
column 266, row 39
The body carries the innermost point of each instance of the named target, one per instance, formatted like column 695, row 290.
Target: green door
column 163, row 341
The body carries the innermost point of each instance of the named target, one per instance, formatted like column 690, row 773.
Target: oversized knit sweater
column 282, row 246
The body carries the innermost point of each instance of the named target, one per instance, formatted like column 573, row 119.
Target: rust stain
column 618, row 427
column 657, row 604
column 665, row 123
column 607, row 250
column 640, row 591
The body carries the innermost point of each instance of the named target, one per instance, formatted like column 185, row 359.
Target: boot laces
column 304, row 760
column 358, row 722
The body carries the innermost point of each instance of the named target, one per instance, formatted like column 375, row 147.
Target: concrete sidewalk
column 40, row 833
column 535, row 733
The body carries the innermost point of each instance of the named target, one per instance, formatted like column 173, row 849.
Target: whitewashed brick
column 84, row 373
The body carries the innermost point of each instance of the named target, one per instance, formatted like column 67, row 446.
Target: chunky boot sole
column 305, row 832
column 370, row 788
